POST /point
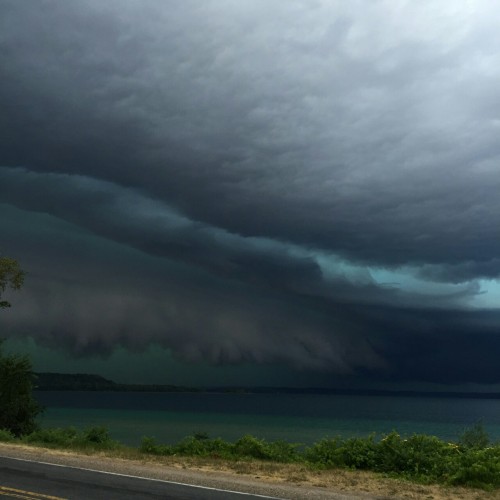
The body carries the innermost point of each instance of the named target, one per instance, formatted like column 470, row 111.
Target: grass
column 470, row 462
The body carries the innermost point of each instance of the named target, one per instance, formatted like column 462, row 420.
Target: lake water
column 300, row 418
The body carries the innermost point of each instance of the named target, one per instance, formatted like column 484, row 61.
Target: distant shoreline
column 90, row 382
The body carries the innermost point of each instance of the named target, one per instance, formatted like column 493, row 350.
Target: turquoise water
column 297, row 418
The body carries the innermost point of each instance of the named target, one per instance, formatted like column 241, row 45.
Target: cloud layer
column 236, row 181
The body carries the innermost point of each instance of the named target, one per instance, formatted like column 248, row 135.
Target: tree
column 18, row 408
column 11, row 276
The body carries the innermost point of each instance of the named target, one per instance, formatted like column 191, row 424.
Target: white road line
column 144, row 478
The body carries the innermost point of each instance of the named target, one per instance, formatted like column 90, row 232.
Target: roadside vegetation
column 472, row 461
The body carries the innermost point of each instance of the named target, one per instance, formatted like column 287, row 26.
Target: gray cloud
column 265, row 126
column 128, row 217
column 114, row 296
column 239, row 141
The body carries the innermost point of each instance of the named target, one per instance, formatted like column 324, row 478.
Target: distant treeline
column 89, row 382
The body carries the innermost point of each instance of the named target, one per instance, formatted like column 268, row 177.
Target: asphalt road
column 33, row 480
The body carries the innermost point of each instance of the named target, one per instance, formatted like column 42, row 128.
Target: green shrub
column 6, row 436
column 245, row 447
column 325, row 453
column 149, row 445
column 391, row 455
column 474, row 437
column 251, row 447
column 428, row 455
column 218, row 448
column 417, row 456
column 358, row 453
column 191, row 446
column 96, row 435
column 283, row 451
column 62, row 437
column 478, row 468
column 68, row 437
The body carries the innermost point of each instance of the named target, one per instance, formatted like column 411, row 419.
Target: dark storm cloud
column 116, row 296
column 241, row 140
column 451, row 347
column 304, row 123
column 128, row 217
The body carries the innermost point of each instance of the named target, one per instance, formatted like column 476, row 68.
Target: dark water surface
column 302, row 418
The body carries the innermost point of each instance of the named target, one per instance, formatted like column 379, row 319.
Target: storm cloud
column 309, row 183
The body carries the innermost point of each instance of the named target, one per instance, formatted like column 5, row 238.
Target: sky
column 299, row 192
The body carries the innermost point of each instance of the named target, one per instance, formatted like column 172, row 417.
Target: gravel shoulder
column 262, row 478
